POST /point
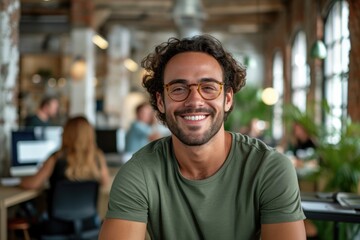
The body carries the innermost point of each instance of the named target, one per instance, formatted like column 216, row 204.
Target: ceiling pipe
column 188, row 16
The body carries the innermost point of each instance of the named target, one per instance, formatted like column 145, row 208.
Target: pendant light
column 318, row 50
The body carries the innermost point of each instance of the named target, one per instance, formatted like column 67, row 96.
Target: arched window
column 300, row 80
column 336, row 64
column 278, row 85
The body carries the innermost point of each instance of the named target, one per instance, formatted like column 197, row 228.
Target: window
column 336, row 64
column 300, row 80
column 278, row 85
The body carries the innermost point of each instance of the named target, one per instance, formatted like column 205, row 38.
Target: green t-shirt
column 255, row 185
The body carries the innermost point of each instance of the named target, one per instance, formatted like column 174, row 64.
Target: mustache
column 192, row 110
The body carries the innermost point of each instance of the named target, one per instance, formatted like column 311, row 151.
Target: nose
column 194, row 97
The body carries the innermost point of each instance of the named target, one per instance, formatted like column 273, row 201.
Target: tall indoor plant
column 339, row 162
column 338, row 151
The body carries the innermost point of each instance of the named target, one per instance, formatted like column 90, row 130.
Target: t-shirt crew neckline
column 211, row 178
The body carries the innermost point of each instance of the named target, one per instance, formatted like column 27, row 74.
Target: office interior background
column 87, row 52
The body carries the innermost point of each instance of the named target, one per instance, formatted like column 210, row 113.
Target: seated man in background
column 141, row 131
column 48, row 109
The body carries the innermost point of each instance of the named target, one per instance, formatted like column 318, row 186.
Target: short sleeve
column 279, row 191
column 128, row 194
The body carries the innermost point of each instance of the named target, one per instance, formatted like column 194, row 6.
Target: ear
column 160, row 102
column 229, row 95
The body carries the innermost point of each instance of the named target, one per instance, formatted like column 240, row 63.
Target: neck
column 201, row 162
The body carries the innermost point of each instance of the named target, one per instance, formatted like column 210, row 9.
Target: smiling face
column 194, row 121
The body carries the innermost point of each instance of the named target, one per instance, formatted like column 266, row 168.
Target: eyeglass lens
column 181, row 91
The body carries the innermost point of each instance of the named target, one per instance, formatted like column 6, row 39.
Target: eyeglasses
column 208, row 90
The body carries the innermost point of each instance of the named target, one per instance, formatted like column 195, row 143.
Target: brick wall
column 354, row 67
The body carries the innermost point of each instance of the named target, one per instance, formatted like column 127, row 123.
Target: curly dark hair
column 155, row 63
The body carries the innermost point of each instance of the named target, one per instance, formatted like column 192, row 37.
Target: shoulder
column 58, row 158
column 30, row 119
column 246, row 143
column 154, row 153
column 58, row 155
column 250, row 142
column 52, row 160
column 150, row 160
column 34, row 120
column 266, row 162
column 258, row 152
column 139, row 124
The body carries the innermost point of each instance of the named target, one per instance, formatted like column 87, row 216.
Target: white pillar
column 117, row 81
column 82, row 93
column 9, row 69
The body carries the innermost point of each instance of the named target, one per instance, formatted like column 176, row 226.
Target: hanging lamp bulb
column 188, row 16
column 318, row 50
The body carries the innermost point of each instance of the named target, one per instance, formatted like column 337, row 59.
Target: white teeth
column 195, row 118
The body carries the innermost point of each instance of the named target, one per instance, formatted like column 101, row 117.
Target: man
column 202, row 182
column 141, row 131
column 48, row 109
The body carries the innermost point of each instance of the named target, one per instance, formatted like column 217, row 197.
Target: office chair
column 73, row 212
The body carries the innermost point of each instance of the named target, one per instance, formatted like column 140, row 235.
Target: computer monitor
column 30, row 147
column 110, row 140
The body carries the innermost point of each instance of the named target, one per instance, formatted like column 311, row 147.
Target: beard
column 195, row 139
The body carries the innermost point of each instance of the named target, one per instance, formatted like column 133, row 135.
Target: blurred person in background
column 47, row 110
column 301, row 152
column 78, row 159
column 141, row 131
column 256, row 129
column 301, row 149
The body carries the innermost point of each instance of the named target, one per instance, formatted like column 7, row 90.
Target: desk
column 10, row 196
column 328, row 210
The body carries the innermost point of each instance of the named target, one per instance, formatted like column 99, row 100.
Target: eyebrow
column 180, row 80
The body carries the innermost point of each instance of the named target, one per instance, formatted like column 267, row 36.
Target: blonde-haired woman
column 78, row 158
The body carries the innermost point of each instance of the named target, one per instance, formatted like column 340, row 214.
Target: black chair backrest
column 75, row 200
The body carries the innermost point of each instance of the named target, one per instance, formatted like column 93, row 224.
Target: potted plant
column 339, row 162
